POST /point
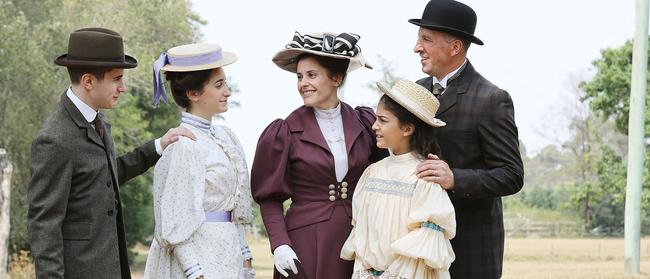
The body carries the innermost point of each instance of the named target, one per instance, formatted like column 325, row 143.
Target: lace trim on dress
column 390, row 187
column 367, row 274
column 243, row 212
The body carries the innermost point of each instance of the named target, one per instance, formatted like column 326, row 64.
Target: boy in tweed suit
column 75, row 212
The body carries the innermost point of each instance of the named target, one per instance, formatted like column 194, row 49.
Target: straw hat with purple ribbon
column 341, row 46
column 188, row 58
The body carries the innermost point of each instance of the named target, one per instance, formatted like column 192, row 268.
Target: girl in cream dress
column 402, row 224
column 202, row 198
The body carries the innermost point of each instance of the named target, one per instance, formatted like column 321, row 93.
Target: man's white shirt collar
column 444, row 80
column 88, row 112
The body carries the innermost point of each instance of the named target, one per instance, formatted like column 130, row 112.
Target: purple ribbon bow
column 158, row 85
column 164, row 59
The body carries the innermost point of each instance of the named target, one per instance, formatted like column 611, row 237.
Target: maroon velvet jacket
column 293, row 161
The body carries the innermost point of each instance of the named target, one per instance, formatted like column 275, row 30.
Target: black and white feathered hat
column 341, row 46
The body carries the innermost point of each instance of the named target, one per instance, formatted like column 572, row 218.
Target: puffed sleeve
column 432, row 223
column 368, row 117
column 349, row 247
column 270, row 179
column 179, row 185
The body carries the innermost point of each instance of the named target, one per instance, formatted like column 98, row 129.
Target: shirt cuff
column 246, row 252
column 193, row 272
column 159, row 148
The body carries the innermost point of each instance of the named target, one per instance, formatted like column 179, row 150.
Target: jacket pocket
column 76, row 231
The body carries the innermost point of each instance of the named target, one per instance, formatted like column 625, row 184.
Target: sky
column 536, row 50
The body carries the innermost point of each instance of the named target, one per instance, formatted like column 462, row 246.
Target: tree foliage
column 388, row 77
column 608, row 94
column 591, row 164
column 34, row 32
column 609, row 91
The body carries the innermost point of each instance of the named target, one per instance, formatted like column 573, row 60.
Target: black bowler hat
column 96, row 47
column 451, row 17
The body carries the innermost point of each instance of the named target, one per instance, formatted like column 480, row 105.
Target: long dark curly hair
column 423, row 140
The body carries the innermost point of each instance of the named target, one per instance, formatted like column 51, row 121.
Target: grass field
column 570, row 258
column 525, row 258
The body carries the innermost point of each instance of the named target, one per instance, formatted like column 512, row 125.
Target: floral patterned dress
column 192, row 180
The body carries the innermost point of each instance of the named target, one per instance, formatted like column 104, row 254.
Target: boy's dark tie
column 99, row 126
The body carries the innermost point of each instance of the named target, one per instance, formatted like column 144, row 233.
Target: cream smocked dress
column 192, row 180
column 402, row 224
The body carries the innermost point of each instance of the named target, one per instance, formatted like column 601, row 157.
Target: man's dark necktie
column 437, row 90
column 99, row 126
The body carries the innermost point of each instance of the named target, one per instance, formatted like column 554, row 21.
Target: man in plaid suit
column 480, row 147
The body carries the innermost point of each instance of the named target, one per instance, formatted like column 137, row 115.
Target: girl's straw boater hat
column 188, row 58
column 416, row 99
column 341, row 46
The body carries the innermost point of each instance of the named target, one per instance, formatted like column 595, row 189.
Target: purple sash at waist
column 218, row 216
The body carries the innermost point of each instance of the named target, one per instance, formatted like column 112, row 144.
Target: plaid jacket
column 481, row 146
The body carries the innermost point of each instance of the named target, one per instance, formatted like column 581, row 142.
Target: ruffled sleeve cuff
column 427, row 243
column 193, row 272
column 246, row 252
column 348, row 251
column 186, row 257
column 245, row 249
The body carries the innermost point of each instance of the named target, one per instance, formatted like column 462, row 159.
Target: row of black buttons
column 111, row 211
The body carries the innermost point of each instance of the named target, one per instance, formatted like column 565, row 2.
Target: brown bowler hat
column 96, row 47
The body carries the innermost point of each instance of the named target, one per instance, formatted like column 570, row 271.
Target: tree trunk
column 5, row 193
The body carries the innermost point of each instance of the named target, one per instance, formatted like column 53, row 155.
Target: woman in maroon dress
column 314, row 157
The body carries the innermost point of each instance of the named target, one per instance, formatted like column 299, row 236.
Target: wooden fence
column 519, row 226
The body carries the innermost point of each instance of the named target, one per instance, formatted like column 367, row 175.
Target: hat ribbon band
column 206, row 58
column 102, row 59
column 343, row 44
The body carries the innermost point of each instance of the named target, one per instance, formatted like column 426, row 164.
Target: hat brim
column 64, row 60
column 227, row 59
column 446, row 29
column 286, row 59
column 410, row 106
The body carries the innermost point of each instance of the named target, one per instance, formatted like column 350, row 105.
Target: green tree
column 609, row 91
column 24, row 94
column 608, row 94
column 388, row 77
column 34, row 33
column 546, row 183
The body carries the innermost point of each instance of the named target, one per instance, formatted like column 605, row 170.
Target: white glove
column 283, row 257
